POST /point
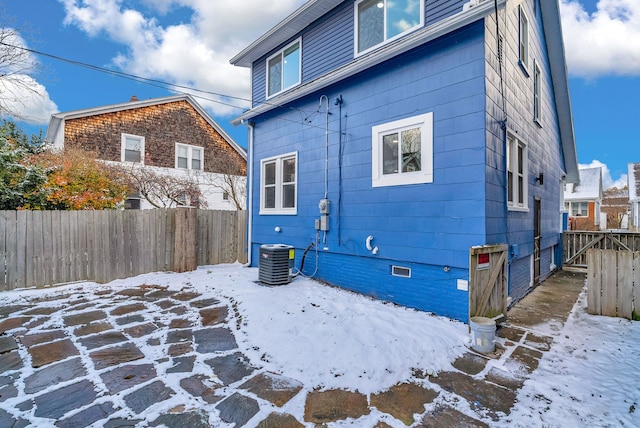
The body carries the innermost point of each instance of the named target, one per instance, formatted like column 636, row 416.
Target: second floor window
column 380, row 20
column 517, row 172
column 132, row 148
column 283, row 69
column 188, row 157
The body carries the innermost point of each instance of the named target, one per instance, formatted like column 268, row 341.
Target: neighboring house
column 171, row 135
column 615, row 205
column 584, row 201
column 633, row 178
column 393, row 136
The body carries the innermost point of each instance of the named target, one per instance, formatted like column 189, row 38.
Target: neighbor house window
column 517, row 183
column 579, row 209
column 283, row 69
column 189, row 157
column 537, row 91
column 132, row 148
column 380, row 20
column 279, row 188
column 402, row 151
column 523, row 40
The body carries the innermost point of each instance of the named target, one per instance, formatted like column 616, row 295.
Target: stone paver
column 140, row 330
column 444, row 416
column 148, row 395
column 204, row 303
column 59, row 402
column 51, row 352
column 128, row 376
column 196, row 386
column 7, row 343
column 272, row 387
column 323, row 407
column 182, row 364
column 10, row 361
column 88, row 416
column 238, row 409
column 403, row 401
column 54, row 374
column 214, row 340
column 84, row 318
column 103, row 339
column 183, row 420
column 116, row 355
column 470, row 363
column 13, row 323
column 38, row 338
column 213, row 316
column 92, row 328
column 230, row 368
column 280, row 420
column 126, row 309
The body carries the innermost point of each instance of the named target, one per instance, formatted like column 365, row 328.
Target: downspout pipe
column 249, row 125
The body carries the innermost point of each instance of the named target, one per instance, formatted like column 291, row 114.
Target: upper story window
column 517, row 173
column 579, row 209
column 278, row 184
column 189, row 157
column 402, row 152
column 523, row 40
column 283, row 69
column 132, row 148
column 537, row 93
column 378, row 21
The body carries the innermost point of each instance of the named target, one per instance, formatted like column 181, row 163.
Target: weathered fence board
column 576, row 244
column 613, row 283
column 41, row 248
column 488, row 281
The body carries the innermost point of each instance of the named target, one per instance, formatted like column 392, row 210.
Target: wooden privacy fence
column 41, row 248
column 576, row 244
column 488, row 281
column 613, row 283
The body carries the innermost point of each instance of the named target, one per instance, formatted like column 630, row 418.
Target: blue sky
column 190, row 42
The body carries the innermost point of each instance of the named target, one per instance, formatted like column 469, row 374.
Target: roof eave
column 555, row 47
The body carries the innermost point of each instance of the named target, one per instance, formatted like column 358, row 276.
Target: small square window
column 402, row 152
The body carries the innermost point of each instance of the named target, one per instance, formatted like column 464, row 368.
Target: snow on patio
column 328, row 338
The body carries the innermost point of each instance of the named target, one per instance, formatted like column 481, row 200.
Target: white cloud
column 195, row 53
column 23, row 99
column 605, row 42
column 607, row 181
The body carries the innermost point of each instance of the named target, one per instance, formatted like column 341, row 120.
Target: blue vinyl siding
column 329, row 43
column 543, row 142
column 429, row 225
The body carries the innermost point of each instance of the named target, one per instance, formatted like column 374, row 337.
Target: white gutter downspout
column 250, row 192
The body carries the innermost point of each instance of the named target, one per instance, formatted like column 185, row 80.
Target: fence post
column 185, row 256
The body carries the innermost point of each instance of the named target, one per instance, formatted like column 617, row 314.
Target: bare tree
column 232, row 182
column 17, row 65
column 162, row 190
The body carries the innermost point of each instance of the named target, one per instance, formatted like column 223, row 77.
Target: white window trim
column 356, row 53
column 281, row 52
column 123, row 142
column 278, row 210
column 189, row 156
column 523, row 62
column 425, row 175
column 514, row 205
column 537, row 93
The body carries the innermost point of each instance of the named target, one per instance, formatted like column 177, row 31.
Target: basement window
column 401, row 271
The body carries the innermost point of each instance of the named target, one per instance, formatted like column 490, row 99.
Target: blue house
column 386, row 138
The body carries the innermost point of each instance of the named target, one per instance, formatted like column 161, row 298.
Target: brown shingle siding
column 162, row 126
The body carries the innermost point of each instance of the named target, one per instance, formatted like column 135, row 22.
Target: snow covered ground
column 328, row 338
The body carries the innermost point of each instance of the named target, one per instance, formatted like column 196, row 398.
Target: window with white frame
column 402, row 151
column 579, row 209
column 523, row 40
column 132, row 148
column 537, row 92
column 189, row 157
column 517, row 173
column 284, row 69
column 378, row 21
column 278, row 184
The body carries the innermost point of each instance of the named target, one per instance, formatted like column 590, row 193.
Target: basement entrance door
column 537, row 217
